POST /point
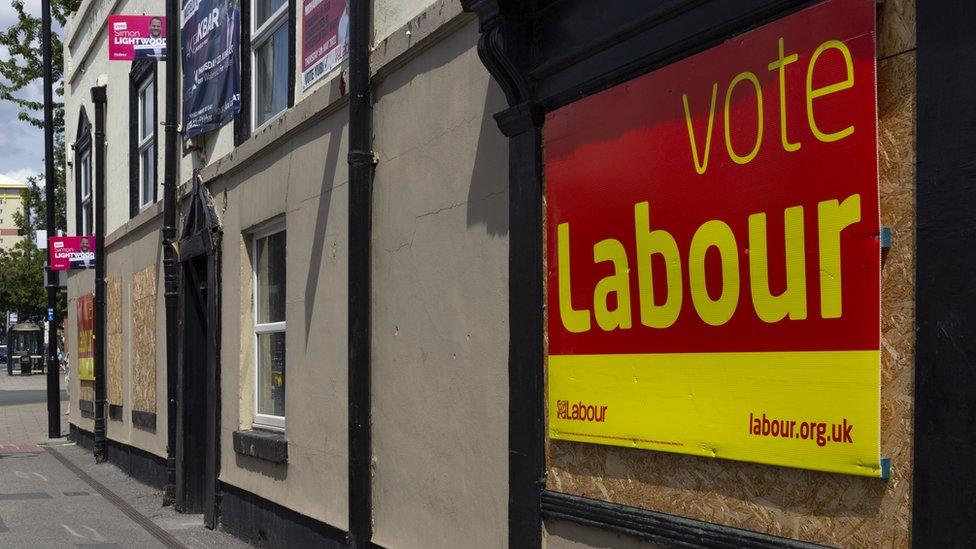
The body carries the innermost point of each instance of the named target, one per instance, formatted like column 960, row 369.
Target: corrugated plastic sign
column 713, row 275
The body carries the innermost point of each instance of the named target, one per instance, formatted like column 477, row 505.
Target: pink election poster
column 136, row 37
column 72, row 252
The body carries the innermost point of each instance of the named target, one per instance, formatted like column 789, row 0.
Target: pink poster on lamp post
column 72, row 252
column 136, row 37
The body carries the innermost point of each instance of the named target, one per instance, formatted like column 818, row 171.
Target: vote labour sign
column 136, row 37
column 713, row 256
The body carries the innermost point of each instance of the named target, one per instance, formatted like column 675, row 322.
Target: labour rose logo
column 562, row 409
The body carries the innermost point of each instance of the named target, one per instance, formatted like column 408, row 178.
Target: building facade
column 11, row 201
column 417, row 389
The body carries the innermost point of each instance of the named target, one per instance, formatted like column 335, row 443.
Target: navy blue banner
column 210, row 39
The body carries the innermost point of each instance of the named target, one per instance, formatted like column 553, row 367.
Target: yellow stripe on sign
column 813, row 410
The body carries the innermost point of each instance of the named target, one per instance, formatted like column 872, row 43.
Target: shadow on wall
column 321, row 224
column 276, row 471
column 486, row 201
column 489, row 176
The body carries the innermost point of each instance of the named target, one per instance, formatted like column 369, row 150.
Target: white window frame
column 146, row 195
column 265, row 420
column 259, row 37
column 84, row 165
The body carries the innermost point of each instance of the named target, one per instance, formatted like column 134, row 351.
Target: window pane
column 147, row 170
column 264, row 9
column 271, row 76
column 271, row 278
column 271, row 373
column 85, row 174
column 87, row 218
column 146, row 111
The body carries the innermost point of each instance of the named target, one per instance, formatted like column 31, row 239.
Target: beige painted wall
column 137, row 250
column 304, row 180
column 85, row 60
column 79, row 283
column 390, row 15
column 440, row 275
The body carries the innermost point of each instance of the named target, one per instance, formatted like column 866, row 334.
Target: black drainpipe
column 99, row 97
column 361, row 162
column 171, row 285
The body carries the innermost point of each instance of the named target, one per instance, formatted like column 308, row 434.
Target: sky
column 21, row 145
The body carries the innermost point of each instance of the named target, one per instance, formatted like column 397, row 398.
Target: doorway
column 198, row 385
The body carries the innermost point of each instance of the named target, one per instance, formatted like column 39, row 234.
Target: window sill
column 144, row 420
column 258, row 443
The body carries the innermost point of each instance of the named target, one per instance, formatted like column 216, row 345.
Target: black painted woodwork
column 87, row 408
column 144, row 420
column 361, row 161
column 267, row 524
column 257, row 443
column 242, row 120
column 198, row 362
column 99, row 97
column 115, row 412
column 139, row 464
column 193, row 400
column 943, row 512
column 660, row 528
column 170, row 276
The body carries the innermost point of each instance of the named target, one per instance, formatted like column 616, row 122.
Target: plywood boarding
column 113, row 343
column 819, row 507
column 143, row 339
column 87, row 390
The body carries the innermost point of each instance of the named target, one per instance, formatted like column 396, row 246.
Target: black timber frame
column 546, row 54
column 198, row 256
column 945, row 307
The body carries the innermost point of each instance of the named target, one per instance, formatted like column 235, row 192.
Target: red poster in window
column 325, row 38
column 712, row 250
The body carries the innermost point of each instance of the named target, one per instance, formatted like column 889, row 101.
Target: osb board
column 896, row 27
column 113, row 343
column 819, row 507
column 143, row 296
column 87, row 391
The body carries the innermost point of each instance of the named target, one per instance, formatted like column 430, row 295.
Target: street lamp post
column 53, row 384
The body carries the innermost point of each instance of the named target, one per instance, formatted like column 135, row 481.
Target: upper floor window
column 143, row 181
column 85, row 192
column 147, row 142
column 83, row 176
column 269, row 59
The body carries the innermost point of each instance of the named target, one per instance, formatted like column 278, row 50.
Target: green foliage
column 22, row 281
column 25, row 64
column 21, row 268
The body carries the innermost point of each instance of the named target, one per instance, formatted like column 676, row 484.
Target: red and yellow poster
column 85, row 305
column 713, row 256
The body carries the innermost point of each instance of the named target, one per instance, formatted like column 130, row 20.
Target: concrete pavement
column 53, row 494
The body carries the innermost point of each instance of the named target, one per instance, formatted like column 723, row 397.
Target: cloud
column 21, row 145
column 21, row 175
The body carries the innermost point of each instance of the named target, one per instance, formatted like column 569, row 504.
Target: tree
column 21, row 268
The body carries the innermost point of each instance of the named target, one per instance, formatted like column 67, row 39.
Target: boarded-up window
column 114, row 347
column 144, row 340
